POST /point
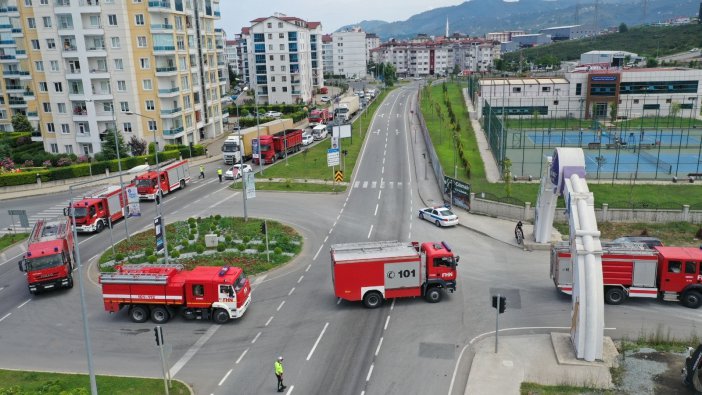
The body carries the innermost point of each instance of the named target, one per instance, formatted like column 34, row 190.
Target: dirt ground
column 646, row 371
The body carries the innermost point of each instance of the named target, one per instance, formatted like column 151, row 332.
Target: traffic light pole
column 497, row 321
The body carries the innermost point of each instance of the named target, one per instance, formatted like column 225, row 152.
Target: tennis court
column 642, row 162
column 631, row 138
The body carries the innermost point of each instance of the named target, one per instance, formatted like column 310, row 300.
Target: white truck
column 231, row 152
column 348, row 106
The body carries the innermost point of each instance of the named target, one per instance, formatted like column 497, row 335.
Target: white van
column 319, row 132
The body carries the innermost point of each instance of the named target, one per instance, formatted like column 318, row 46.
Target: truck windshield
column 445, row 261
column 265, row 147
column 240, row 282
column 145, row 182
column 230, row 147
column 44, row 262
column 81, row 212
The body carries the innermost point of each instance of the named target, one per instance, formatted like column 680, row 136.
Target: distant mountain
column 477, row 17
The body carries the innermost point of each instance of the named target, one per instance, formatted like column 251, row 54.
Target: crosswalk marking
column 382, row 184
column 356, row 184
column 391, row 184
column 373, row 183
column 365, row 184
column 379, row 184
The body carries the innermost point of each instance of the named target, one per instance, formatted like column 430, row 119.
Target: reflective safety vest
column 219, row 172
column 278, row 368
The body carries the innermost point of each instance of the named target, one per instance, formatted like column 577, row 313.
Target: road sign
column 22, row 214
column 339, row 176
column 333, row 157
column 133, row 202
column 158, row 225
column 250, row 184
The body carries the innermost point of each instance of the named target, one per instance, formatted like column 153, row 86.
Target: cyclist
column 519, row 232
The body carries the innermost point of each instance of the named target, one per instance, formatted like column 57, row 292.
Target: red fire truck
column 274, row 147
column 48, row 261
column 160, row 291
column 633, row 270
column 172, row 176
column 374, row 271
column 318, row 116
column 97, row 210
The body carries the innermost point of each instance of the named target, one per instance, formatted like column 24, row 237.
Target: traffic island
column 211, row 241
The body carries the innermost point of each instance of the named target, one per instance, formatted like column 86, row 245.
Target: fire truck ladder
column 157, row 277
column 47, row 230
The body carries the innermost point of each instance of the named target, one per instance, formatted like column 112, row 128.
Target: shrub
column 220, row 247
column 241, row 247
column 184, row 243
column 191, row 221
column 261, row 248
column 191, row 236
column 217, row 217
column 246, row 239
column 175, row 254
column 228, row 239
column 149, row 251
column 278, row 251
column 200, row 248
column 151, row 259
column 192, row 225
column 119, row 257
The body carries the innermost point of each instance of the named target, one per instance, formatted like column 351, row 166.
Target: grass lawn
column 670, row 233
column 311, row 163
column 538, row 389
column 11, row 238
column 531, row 123
column 659, row 122
column 21, row 382
column 294, row 186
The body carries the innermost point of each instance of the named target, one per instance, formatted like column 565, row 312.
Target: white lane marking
column 1, row 288
column 194, row 349
column 370, row 372
column 242, row 356
column 380, row 343
column 365, row 184
column 376, row 209
column 392, row 305
column 338, row 301
column 291, row 291
column 27, row 301
column 225, row 377
column 383, row 159
column 338, row 216
column 280, row 306
column 387, row 321
column 269, row 321
column 308, row 268
column 382, row 171
column 379, row 193
column 256, row 338
column 225, row 199
column 292, row 387
column 355, row 185
column 317, row 342
column 300, row 279
column 369, row 232
column 325, row 239
column 5, row 316
column 259, row 280
column 318, row 251
column 373, row 184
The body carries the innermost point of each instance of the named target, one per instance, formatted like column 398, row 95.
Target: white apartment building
column 372, row 42
column 327, row 54
column 154, row 70
column 349, row 53
column 283, row 59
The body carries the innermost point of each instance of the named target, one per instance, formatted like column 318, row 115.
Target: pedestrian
column 279, row 373
column 219, row 174
column 202, row 172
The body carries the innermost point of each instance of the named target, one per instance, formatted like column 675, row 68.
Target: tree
column 456, row 70
column 613, row 111
column 623, row 28
column 20, row 123
column 137, row 146
column 233, row 78
column 651, row 62
column 108, row 145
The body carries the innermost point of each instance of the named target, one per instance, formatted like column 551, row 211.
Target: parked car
column 441, row 216
column 324, row 99
column 234, row 172
column 307, row 138
column 648, row 240
column 273, row 114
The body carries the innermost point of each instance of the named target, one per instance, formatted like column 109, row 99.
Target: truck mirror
column 458, row 258
column 231, row 292
column 21, row 266
column 66, row 211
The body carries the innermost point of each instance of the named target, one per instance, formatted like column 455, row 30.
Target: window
column 50, row 43
column 44, row 2
column 152, row 126
column 121, row 86
column 46, row 107
column 127, row 127
column 54, row 148
column 43, row 86
column 141, row 41
column 112, row 20
column 285, row 78
column 282, row 47
column 58, row 87
column 273, row 89
column 272, row 68
column 199, row 289
column 281, row 35
column 272, row 78
column 545, row 89
column 119, row 65
column 674, row 267
column 31, row 23
column 35, row 44
column 28, row 3
column 282, row 57
column 269, row 25
column 145, row 64
column 69, row 148
column 107, row 107
column 139, row 19
column 54, row 65
column 61, row 107
column 280, row 25
column 150, row 105
column 270, row 36
column 124, row 106
column 46, row 20
column 516, row 89
column 690, row 267
column 50, row 128
column 115, row 42
column 285, row 89
column 146, row 84
column 65, row 128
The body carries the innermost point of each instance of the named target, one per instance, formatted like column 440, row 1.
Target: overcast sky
column 238, row 13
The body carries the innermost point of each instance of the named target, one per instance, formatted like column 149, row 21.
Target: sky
column 238, row 13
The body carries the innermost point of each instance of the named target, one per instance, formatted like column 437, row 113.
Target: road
column 330, row 346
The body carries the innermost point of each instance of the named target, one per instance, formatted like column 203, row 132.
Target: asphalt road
column 330, row 346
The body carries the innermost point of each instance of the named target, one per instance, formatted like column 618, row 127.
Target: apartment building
column 372, row 42
column 349, row 53
column 82, row 68
column 327, row 54
column 283, row 59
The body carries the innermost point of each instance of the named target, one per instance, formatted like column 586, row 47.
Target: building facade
column 372, row 42
column 349, row 53
column 327, row 54
column 154, row 70
column 284, row 60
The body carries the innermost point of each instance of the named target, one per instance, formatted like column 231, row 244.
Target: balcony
column 76, row 95
column 14, row 88
column 164, row 49
column 14, row 102
column 102, row 94
column 62, row 3
column 170, row 92
column 21, row 54
column 167, row 113
column 96, row 51
column 83, row 137
column 162, row 4
column 99, row 73
column 175, row 132
column 16, row 31
column 89, row 6
column 9, row 11
column 29, row 95
column 7, row 43
column 8, row 59
column 32, row 115
column 36, row 136
column 166, row 71
column 161, row 26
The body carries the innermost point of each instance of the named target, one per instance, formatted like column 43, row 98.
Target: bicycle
column 519, row 233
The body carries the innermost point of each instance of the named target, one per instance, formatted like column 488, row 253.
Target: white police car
column 439, row 215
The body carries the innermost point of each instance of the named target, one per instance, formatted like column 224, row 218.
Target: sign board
column 342, row 131
column 459, row 191
column 333, row 157
column 22, row 214
column 158, row 226
column 339, row 176
column 133, row 208
column 249, row 185
column 335, row 142
column 402, row 275
column 254, row 149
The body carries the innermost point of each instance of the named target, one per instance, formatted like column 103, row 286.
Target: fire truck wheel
column 139, row 314
column 182, row 184
column 372, row 299
column 692, row 299
column 99, row 226
column 220, row 316
column 159, row 315
column 615, row 295
column 69, row 285
column 433, row 295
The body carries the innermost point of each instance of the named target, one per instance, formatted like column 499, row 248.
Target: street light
column 241, row 156
column 158, row 186
column 258, row 133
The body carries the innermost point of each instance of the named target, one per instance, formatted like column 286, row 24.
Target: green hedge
column 85, row 169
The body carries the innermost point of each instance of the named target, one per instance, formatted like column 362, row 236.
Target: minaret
column 447, row 30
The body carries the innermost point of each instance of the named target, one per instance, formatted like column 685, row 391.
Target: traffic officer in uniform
column 278, row 367
column 219, row 174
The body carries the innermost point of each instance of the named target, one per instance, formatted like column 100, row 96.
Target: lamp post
column 258, row 133
column 119, row 167
column 158, row 188
column 241, row 157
